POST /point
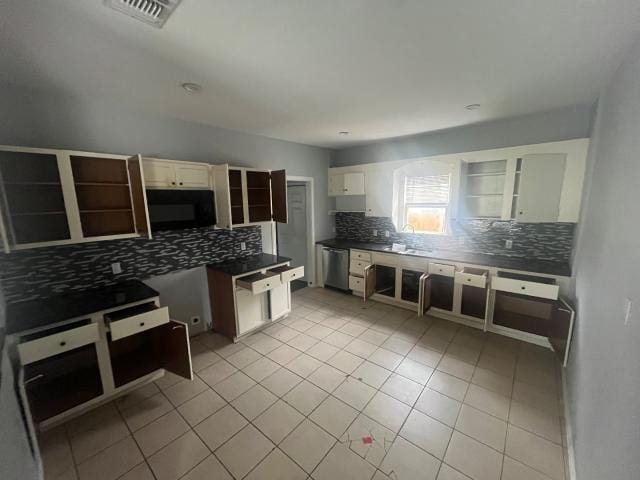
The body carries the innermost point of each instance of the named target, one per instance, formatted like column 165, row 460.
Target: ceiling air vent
column 152, row 12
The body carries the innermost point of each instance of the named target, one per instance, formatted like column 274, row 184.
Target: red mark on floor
column 367, row 440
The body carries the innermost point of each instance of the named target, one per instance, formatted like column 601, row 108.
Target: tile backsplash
column 542, row 241
column 42, row 272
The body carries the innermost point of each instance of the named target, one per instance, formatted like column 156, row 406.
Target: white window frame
column 420, row 168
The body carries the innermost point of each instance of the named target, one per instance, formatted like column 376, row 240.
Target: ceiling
column 304, row 70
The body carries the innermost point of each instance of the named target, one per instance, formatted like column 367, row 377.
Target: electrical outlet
column 375, row 232
column 628, row 307
column 508, row 244
column 243, row 245
column 386, row 233
column 195, row 320
column 116, row 268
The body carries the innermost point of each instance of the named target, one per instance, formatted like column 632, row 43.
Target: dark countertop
column 250, row 264
column 22, row 316
column 488, row 260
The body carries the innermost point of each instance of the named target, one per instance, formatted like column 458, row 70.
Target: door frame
column 310, row 266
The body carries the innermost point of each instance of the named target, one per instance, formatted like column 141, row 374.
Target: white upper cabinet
column 172, row 174
column 538, row 187
column 379, row 194
column 346, row 184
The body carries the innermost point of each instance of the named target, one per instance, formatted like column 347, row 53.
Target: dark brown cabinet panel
column 259, row 196
column 425, row 293
column 236, row 197
column 442, row 292
column 279, row 196
column 410, row 285
column 103, row 197
column 32, row 198
column 135, row 356
column 524, row 313
column 61, row 382
column 99, row 170
column 474, row 301
column 100, row 223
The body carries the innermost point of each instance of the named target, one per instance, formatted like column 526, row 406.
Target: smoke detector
column 151, row 12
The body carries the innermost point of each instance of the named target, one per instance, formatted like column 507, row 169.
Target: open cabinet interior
column 104, row 197
column 442, row 292
column 236, row 196
column 259, row 196
column 473, row 302
column 33, row 201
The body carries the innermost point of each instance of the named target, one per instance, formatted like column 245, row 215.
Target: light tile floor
column 338, row 390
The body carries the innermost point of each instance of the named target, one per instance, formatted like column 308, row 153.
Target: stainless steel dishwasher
column 335, row 267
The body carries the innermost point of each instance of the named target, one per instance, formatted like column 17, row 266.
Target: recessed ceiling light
column 192, row 87
column 473, row 106
column 343, row 133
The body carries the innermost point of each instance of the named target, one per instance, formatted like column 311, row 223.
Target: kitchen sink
column 409, row 251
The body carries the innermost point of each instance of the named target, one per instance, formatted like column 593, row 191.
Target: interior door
column 279, row 196
column 139, row 196
column 424, row 302
column 561, row 330
column 175, row 348
column 369, row 282
column 292, row 236
column 222, row 194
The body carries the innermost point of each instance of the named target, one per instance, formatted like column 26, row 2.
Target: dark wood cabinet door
column 425, row 293
column 279, row 196
column 561, row 329
column 175, row 345
column 369, row 281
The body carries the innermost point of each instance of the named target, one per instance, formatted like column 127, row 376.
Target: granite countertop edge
column 533, row 265
column 241, row 266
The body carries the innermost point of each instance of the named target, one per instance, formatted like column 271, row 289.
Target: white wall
column 604, row 371
column 551, row 126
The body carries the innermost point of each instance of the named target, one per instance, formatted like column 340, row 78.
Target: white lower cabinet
column 68, row 368
column 251, row 310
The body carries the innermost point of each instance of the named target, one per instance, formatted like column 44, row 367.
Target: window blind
column 427, row 189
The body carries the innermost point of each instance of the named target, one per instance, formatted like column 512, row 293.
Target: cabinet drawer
column 356, row 283
column 358, row 255
column 138, row 323
column 442, row 269
column 471, row 279
column 50, row 345
column 523, row 287
column 259, row 282
column 356, row 267
column 288, row 273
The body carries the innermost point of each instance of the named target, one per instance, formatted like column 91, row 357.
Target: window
column 426, row 202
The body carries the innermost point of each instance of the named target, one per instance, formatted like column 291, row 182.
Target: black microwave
column 176, row 209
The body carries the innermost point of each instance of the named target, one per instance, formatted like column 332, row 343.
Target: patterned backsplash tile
column 43, row 272
column 542, row 241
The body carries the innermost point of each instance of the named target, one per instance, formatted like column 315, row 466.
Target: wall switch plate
column 116, row 268
column 195, row 320
column 508, row 244
column 375, row 232
column 386, row 233
column 628, row 307
column 243, row 245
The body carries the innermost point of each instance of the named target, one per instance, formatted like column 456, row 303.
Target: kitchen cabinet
column 245, row 196
column 410, row 288
column 346, row 184
column 56, row 197
column 159, row 173
column 246, row 302
column 379, row 194
column 472, row 292
column 442, row 284
column 538, row 187
column 71, row 366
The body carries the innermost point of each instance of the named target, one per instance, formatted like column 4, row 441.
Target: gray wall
column 562, row 124
column 604, row 373
column 47, row 120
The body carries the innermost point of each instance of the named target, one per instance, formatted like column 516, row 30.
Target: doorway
column 295, row 238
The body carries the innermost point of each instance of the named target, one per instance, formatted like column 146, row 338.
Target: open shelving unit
column 516, row 188
column 258, row 196
column 104, row 196
column 484, row 189
column 237, row 197
column 33, row 198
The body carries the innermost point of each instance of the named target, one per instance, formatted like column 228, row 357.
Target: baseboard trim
column 568, row 430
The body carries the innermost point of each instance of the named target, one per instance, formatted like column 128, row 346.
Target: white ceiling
column 303, row 70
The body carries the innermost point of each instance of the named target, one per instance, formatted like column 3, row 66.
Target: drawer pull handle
column 142, row 324
column 177, row 327
column 63, row 343
column 468, row 279
column 33, row 379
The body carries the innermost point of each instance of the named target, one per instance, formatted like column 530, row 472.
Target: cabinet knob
column 468, row 279
column 173, row 183
column 268, row 285
column 63, row 343
column 142, row 324
column 520, row 212
column 523, row 288
column 180, row 183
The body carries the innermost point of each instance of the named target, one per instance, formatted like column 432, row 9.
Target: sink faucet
column 404, row 229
